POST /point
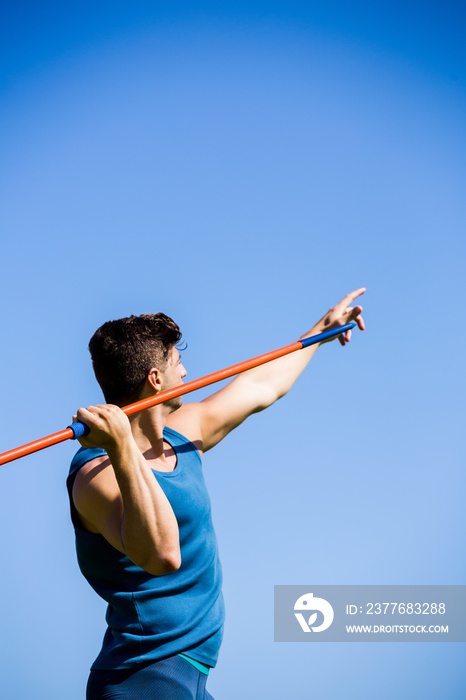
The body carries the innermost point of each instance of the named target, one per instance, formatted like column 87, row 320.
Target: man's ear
column 154, row 378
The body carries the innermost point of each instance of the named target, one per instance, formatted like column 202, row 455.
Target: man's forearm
column 148, row 527
column 273, row 380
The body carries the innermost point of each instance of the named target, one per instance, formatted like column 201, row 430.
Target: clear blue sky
column 241, row 166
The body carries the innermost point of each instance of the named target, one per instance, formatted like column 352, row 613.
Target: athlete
column 144, row 534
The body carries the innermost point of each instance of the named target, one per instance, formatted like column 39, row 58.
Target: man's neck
column 147, row 428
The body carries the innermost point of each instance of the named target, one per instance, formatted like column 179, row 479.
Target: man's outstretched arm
column 258, row 388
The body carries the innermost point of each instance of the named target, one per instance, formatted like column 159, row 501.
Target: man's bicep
column 98, row 501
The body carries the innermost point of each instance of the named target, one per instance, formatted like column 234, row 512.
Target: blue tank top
column 152, row 617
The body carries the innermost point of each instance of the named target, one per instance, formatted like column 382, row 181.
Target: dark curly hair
column 124, row 351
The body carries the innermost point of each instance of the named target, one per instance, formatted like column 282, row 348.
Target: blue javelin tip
column 313, row 339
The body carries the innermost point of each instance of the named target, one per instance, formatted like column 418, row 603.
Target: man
column 141, row 512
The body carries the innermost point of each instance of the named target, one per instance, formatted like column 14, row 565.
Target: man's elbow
column 164, row 564
column 262, row 394
column 171, row 562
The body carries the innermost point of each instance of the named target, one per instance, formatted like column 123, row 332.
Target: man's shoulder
column 85, row 455
column 186, row 420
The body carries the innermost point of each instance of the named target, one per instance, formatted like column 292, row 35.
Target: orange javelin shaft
column 71, row 433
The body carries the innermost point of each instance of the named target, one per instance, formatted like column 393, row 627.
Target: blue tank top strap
column 84, row 455
column 177, row 439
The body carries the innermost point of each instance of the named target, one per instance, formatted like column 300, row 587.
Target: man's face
column 173, row 376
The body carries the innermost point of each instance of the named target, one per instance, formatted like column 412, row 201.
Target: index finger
column 84, row 414
column 349, row 298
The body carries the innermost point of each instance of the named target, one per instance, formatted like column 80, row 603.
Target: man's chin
column 174, row 404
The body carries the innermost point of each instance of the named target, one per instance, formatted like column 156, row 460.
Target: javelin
column 79, row 429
